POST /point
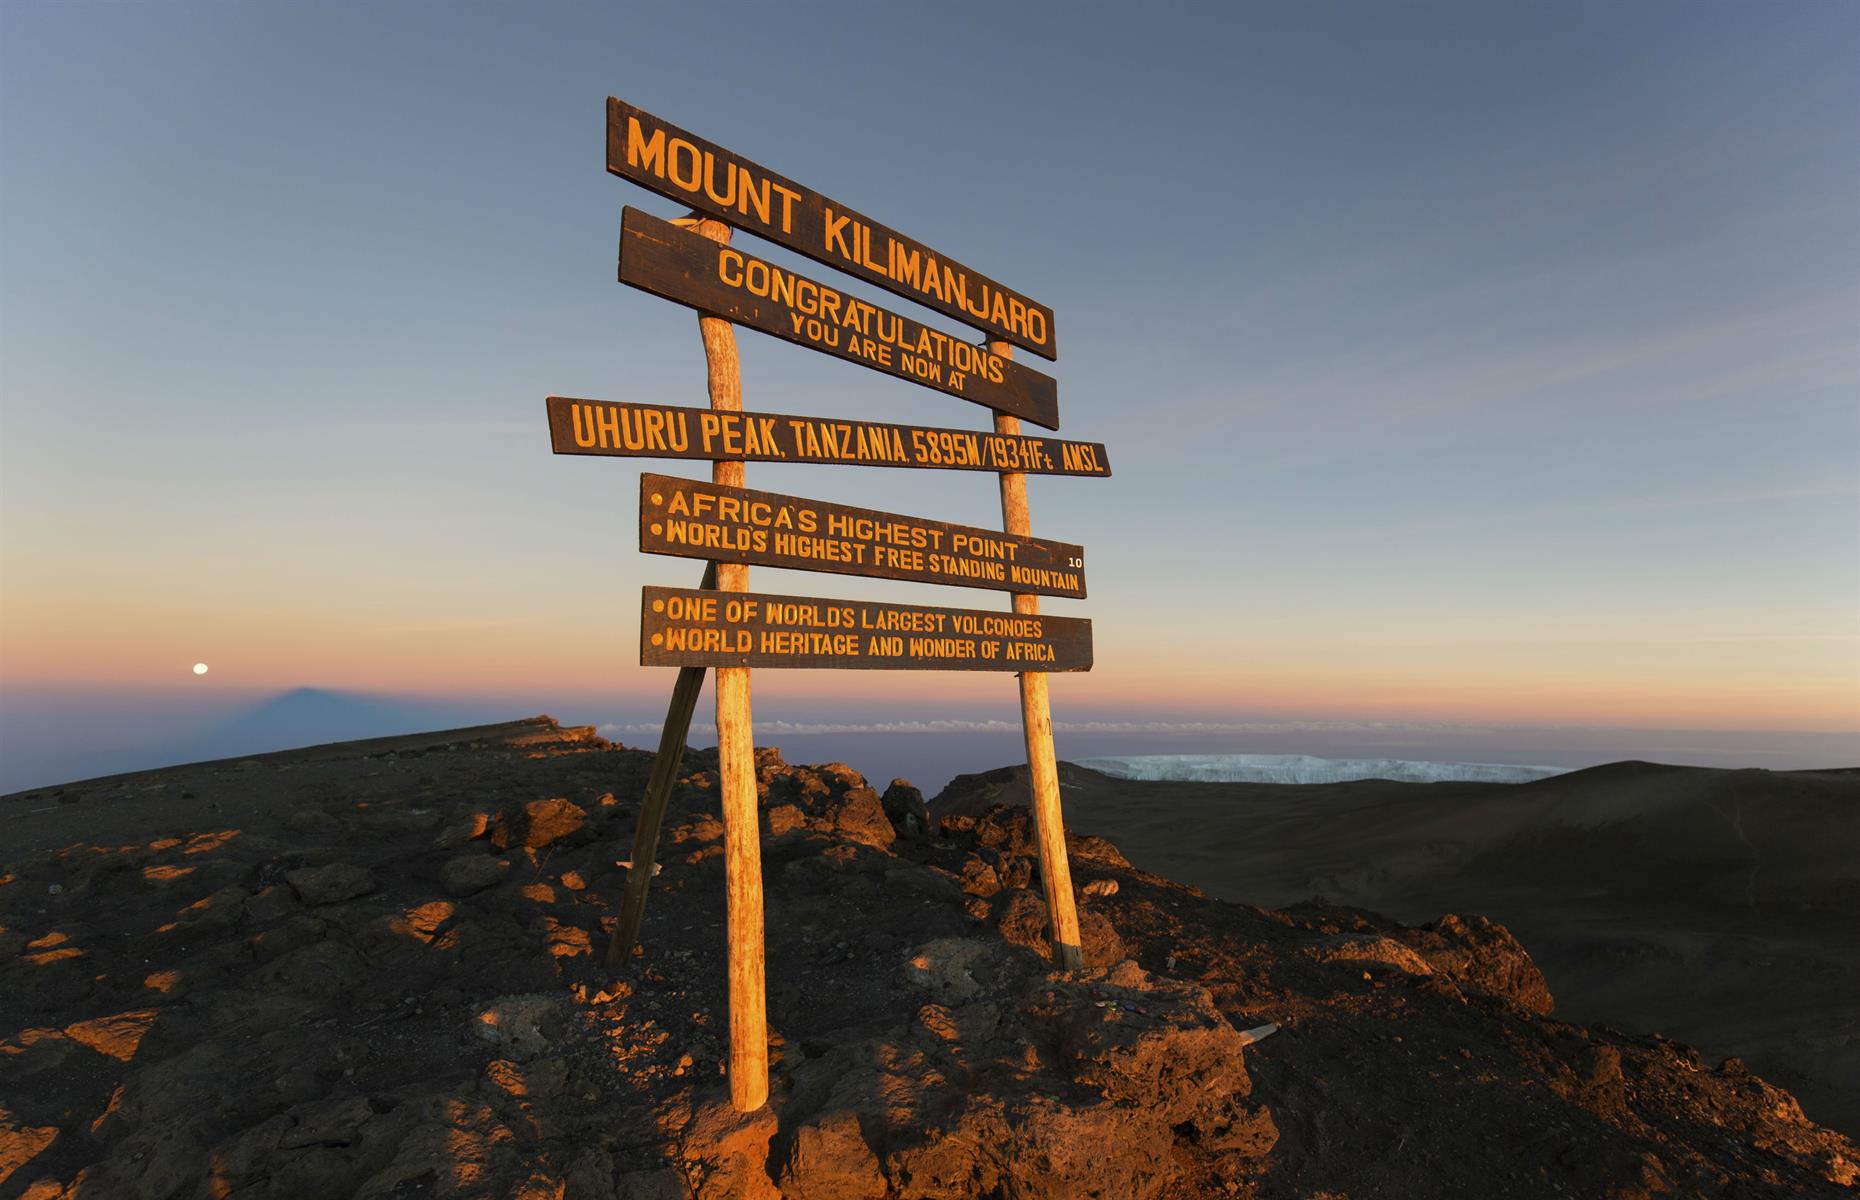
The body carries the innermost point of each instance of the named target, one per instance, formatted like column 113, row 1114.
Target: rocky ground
column 1718, row 907
column 374, row 970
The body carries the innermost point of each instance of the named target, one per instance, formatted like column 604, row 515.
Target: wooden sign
column 721, row 624
column 684, row 627
column 623, row 429
column 690, row 170
column 658, row 257
column 692, row 519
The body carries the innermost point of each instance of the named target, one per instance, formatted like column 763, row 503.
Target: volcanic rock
column 537, row 824
column 1021, row 919
column 859, row 815
column 460, row 832
column 472, row 873
column 907, row 812
column 522, row 1026
column 331, row 884
column 830, row 1160
column 233, row 1026
column 1481, row 955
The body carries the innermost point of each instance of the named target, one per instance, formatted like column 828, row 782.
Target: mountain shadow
column 308, row 716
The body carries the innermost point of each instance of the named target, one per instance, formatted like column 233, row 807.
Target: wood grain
column 736, row 768
column 1036, row 721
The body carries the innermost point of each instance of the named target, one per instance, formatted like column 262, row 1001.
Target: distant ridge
column 46, row 749
column 515, row 733
column 1305, row 768
column 308, row 716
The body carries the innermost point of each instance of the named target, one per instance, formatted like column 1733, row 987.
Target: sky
column 1456, row 362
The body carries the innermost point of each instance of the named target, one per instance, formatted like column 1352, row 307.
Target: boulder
column 959, row 970
column 118, row 1036
column 273, row 904
column 472, row 873
column 859, row 815
column 331, row 884
column 523, row 1027
column 1370, row 951
column 727, row 1152
column 829, row 1159
column 20, row 1143
column 783, row 818
column 457, row 834
column 907, row 812
column 539, row 823
column 1482, row 956
column 979, row 878
column 313, row 822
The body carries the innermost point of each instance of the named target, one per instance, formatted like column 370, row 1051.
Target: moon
column 200, row 668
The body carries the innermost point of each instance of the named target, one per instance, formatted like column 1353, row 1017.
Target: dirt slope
column 1717, row 907
column 372, row 970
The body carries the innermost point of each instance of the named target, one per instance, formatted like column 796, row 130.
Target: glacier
column 1306, row 768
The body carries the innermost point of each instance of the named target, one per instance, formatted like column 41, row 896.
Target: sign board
column 623, row 429
column 685, row 627
column 659, row 257
column 693, row 519
column 665, row 159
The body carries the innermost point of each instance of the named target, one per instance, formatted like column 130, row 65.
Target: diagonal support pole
column 652, row 808
column 1036, row 719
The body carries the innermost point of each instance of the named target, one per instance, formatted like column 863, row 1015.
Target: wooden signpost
column 624, row 429
column 721, row 625
column 692, row 519
column 658, row 257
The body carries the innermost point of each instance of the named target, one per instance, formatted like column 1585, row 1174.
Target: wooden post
column 1036, row 719
column 736, row 768
column 652, row 806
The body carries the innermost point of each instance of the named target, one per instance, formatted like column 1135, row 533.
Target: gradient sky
column 1456, row 361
